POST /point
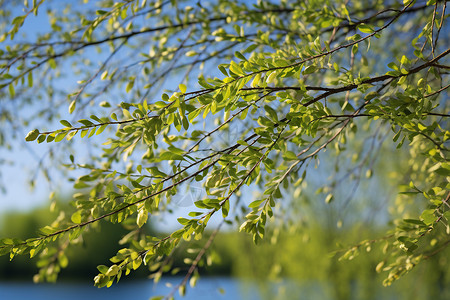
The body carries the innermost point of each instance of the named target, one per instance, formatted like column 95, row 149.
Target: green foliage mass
column 299, row 257
column 232, row 94
column 78, row 261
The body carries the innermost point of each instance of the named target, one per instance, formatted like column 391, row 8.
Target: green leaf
column 365, row 28
column 113, row 270
column 225, row 208
column 127, row 114
column 271, row 77
column 185, row 122
column 65, row 123
column 256, row 203
column 355, row 49
column 104, row 75
column 183, row 221
column 251, row 48
column 12, row 91
column 137, row 263
column 30, row 79
column 85, row 122
column 234, row 67
column 256, row 80
column 76, row 217
column 272, row 113
column 142, row 217
column 32, row 135
column 102, row 269
column 170, row 156
column 428, row 216
column 309, row 70
column 223, row 70
column 72, row 106
column 182, row 290
column 130, row 85
column 182, row 88
column 212, row 181
column 194, row 114
column 289, row 155
column 60, row 136
column 442, row 169
column 239, row 55
column 191, row 53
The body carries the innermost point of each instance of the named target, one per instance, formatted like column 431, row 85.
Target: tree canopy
column 224, row 95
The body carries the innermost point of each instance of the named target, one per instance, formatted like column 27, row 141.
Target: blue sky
column 26, row 159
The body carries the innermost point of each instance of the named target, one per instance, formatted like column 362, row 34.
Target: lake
column 207, row 288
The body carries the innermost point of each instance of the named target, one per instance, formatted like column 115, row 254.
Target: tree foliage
column 226, row 95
